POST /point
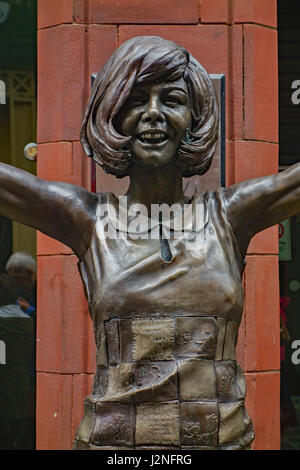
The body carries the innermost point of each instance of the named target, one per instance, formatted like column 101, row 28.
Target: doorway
column 289, row 230
column 18, row 27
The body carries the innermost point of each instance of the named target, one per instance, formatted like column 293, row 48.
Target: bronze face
column 157, row 116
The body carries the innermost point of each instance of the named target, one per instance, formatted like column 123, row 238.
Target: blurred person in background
column 17, row 389
column 21, row 267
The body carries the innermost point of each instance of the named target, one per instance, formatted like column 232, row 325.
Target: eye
column 136, row 100
column 173, row 99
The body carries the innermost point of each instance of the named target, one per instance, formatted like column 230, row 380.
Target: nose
column 153, row 112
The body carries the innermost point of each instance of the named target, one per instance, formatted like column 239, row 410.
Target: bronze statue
column 166, row 308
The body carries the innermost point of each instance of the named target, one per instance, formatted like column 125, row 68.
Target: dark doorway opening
column 289, row 246
column 18, row 28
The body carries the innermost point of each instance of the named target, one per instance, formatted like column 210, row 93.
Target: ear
column 31, row 274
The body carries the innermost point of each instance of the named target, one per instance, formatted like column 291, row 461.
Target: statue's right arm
column 60, row 210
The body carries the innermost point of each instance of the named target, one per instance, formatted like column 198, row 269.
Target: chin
column 154, row 159
column 153, row 162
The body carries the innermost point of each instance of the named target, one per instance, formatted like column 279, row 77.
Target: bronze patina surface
column 166, row 309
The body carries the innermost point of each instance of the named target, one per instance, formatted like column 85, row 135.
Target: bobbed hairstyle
column 145, row 59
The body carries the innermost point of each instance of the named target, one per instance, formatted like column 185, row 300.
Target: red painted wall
column 75, row 38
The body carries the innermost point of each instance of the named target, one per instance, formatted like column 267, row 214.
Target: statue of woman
column 166, row 307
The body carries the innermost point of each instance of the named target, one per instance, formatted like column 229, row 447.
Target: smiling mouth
column 156, row 137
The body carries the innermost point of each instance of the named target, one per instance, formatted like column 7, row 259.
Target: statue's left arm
column 257, row 204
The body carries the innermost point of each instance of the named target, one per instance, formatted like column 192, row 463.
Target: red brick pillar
column 68, row 52
column 75, row 37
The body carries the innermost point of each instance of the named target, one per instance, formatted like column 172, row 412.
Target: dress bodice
column 165, row 332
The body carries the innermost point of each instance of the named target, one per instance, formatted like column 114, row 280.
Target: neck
column 155, row 186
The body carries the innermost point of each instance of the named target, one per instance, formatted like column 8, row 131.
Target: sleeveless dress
column 166, row 331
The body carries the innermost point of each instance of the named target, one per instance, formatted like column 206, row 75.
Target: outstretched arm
column 257, row 204
column 60, row 210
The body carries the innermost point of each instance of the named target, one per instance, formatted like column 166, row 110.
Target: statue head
column 142, row 60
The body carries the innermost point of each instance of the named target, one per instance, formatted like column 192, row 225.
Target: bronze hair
column 149, row 58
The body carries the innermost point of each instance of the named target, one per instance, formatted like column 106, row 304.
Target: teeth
column 152, row 136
